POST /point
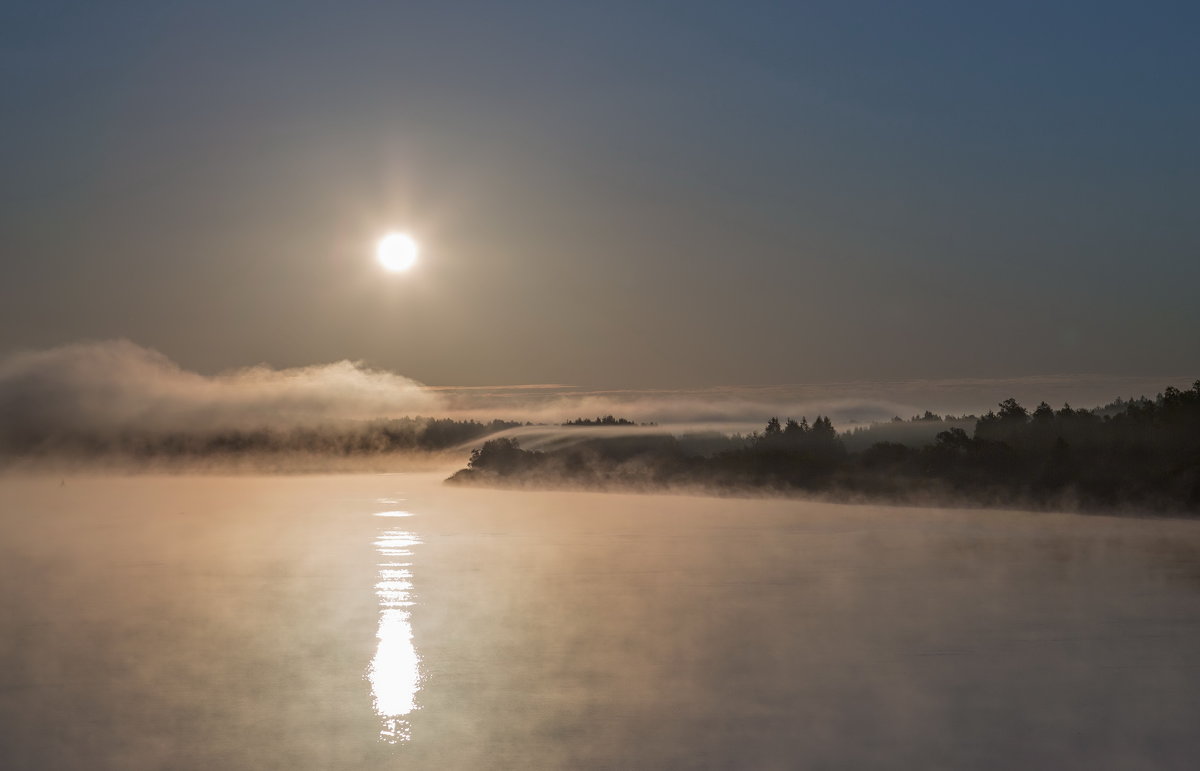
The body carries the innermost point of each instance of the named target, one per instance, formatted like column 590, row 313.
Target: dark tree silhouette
column 1136, row 453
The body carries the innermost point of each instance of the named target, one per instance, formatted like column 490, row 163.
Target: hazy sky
column 608, row 194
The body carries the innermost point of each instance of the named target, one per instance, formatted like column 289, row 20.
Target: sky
column 608, row 195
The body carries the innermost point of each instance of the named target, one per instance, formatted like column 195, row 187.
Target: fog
column 542, row 437
column 107, row 388
column 117, row 385
column 133, row 407
column 391, row 621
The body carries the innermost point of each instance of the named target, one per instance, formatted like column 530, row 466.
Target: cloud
column 733, row 408
column 118, row 385
column 844, row 402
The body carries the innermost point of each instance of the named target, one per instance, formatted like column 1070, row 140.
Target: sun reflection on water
column 395, row 671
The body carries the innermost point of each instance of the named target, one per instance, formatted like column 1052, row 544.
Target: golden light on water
column 395, row 671
column 397, row 252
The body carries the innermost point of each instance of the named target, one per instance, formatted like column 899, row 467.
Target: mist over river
column 391, row 621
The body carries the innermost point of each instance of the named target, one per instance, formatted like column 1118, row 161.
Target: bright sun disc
column 397, row 252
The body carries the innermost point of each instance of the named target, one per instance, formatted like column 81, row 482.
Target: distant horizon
column 120, row 384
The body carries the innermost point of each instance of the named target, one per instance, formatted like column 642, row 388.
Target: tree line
column 410, row 434
column 1141, row 454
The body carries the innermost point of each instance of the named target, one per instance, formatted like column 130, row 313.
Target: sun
column 397, row 252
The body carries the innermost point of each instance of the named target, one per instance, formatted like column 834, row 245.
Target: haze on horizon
column 617, row 195
column 106, row 388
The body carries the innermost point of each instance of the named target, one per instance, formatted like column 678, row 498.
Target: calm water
column 390, row 622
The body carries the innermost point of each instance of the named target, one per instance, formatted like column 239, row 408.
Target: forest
column 411, row 434
column 1137, row 455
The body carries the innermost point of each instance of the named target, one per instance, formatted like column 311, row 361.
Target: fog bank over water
column 849, row 402
column 117, row 385
column 391, row 621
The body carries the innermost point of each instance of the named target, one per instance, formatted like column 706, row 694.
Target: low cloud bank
column 120, row 386
column 733, row 408
column 847, row 403
column 117, row 388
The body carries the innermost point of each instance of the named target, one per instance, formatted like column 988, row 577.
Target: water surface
column 388, row 621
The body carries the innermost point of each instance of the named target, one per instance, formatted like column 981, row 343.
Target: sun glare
column 397, row 252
